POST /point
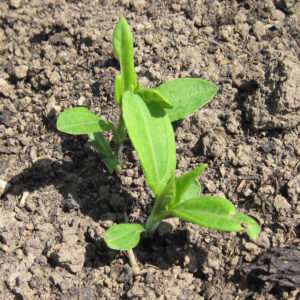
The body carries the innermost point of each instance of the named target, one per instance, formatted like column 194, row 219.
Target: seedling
column 146, row 115
column 176, row 99
column 151, row 133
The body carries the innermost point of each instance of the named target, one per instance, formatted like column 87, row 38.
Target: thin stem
column 131, row 256
column 120, row 135
column 133, row 262
column 151, row 226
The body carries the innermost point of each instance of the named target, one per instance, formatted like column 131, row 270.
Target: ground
column 58, row 54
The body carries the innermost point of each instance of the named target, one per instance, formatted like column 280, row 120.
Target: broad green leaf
column 79, row 120
column 215, row 213
column 111, row 164
column 101, row 144
column 252, row 227
column 186, row 95
column 118, row 89
column 153, row 95
column 165, row 200
column 194, row 191
column 123, row 45
column 186, row 185
column 123, row 236
column 152, row 136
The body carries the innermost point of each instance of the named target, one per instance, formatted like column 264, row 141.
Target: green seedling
column 151, row 133
column 176, row 99
column 146, row 116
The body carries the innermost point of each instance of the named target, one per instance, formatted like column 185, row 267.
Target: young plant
column 146, row 115
column 177, row 99
column 152, row 135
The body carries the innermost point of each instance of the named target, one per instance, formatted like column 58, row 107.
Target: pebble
column 281, row 205
column 164, row 228
column 19, row 253
column 297, row 148
column 4, row 186
column 30, row 226
column 21, row 71
column 14, row 3
column 4, row 248
column 5, row 88
column 139, row 4
column 268, row 146
column 259, row 29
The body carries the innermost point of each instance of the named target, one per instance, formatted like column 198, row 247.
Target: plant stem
column 133, row 263
column 151, row 226
column 120, row 135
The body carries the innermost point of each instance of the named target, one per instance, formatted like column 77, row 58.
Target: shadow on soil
column 86, row 186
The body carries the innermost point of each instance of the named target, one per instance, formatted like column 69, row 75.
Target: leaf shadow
column 171, row 249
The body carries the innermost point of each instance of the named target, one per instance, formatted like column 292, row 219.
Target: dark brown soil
column 58, row 54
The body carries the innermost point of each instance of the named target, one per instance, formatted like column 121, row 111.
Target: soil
column 58, row 54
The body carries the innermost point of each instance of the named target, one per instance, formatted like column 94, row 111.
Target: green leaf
column 215, row 213
column 194, row 191
column 154, row 95
column 111, row 164
column 123, row 45
column 152, row 136
column 187, row 185
column 79, row 120
column 252, row 227
column 118, row 89
column 187, row 95
column 123, row 236
column 101, row 144
column 164, row 201
column 137, row 88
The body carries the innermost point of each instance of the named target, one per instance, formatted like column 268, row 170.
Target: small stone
column 259, row 29
column 21, row 71
column 148, row 39
column 176, row 7
column 54, row 77
column 5, row 88
column 4, row 186
column 134, row 155
column 247, row 192
column 262, row 240
column 240, row 17
column 281, row 205
column 14, row 3
column 242, row 29
column 46, row 227
column 81, row 100
column 164, row 228
column 30, row 205
column 268, row 146
column 127, row 181
column 226, row 33
column 297, row 148
column 70, row 256
column 213, row 263
column 30, row 226
column 19, row 253
column 214, row 145
column 277, row 15
column 251, row 247
column 4, row 248
column 35, row 281
column 208, row 30
column 139, row 4
column 210, row 185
